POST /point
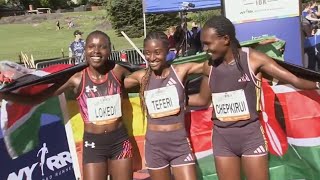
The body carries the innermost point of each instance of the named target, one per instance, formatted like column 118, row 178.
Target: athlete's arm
column 133, row 80
column 203, row 98
column 121, row 72
column 192, row 68
column 55, row 89
column 263, row 63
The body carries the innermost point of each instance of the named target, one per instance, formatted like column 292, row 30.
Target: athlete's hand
column 268, row 41
column 5, row 78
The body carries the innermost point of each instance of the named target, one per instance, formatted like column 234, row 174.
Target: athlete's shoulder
column 77, row 77
column 256, row 55
column 179, row 67
column 138, row 75
column 116, row 68
column 74, row 80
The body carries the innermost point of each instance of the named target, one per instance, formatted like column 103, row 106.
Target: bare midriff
column 167, row 127
column 103, row 126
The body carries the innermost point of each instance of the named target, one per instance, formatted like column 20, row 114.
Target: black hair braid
column 143, row 85
column 224, row 26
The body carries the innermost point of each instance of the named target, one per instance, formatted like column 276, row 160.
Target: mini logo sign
column 87, row 144
column 88, row 89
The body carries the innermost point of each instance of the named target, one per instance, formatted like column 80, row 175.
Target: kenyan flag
column 301, row 115
column 291, row 119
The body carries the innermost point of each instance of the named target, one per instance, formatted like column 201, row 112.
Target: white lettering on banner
column 24, row 171
column 163, row 101
column 261, row 2
column 231, row 106
column 104, row 108
column 61, row 162
column 259, row 37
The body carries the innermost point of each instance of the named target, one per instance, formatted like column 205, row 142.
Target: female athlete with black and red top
column 99, row 91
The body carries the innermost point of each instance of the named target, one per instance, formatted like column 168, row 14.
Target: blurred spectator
column 172, row 42
column 58, row 25
column 76, row 48
column 194, row 38
column 70, row 24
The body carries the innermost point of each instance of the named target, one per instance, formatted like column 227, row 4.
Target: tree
column 202, row 16
column 127, row 16
column 45, row 3
column 3, row 2
column 97, row 2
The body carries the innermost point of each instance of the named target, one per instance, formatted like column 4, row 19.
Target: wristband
column 318, row 85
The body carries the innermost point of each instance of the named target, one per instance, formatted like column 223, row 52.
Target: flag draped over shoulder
column 20, row 124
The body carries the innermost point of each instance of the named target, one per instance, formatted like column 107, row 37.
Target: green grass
column 43, row 41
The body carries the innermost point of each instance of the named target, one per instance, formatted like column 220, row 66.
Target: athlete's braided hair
column 145, row 79
column 222, row 27
column 99, row 33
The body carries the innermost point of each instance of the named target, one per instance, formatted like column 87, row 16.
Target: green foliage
column 2, row 2
column 55, row 4
column 97, row 2
column 202, row 16
column 83, row 2
column 160, row 22
column 44, row 3
column 127, row 16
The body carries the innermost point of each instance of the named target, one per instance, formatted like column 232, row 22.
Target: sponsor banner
column 50, row 160
column 256, row 10
column 286, row 29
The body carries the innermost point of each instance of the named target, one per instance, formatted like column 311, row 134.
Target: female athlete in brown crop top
column 230, row 79
column 163, row 95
